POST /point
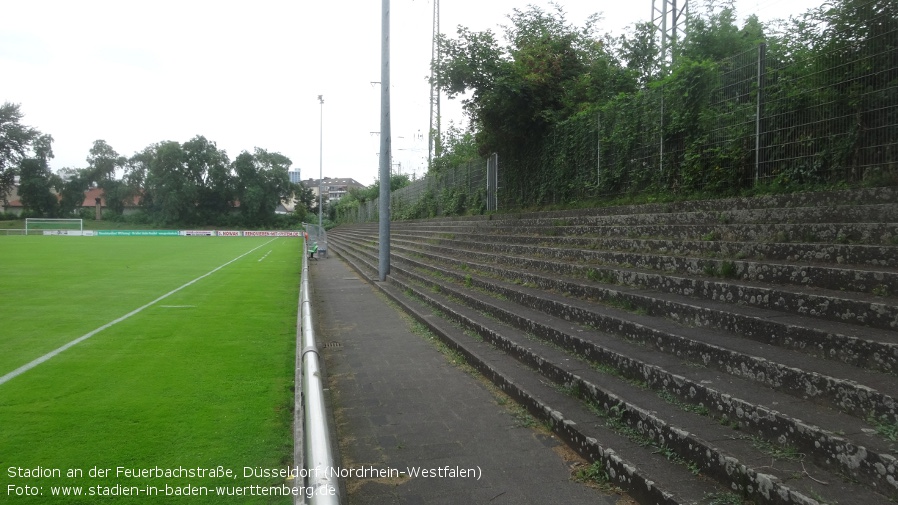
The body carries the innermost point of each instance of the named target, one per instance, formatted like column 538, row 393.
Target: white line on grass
column 24, row 368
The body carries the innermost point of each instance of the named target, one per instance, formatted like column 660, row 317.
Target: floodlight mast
column 385, row 154
column 320, row 159
column 433, row 137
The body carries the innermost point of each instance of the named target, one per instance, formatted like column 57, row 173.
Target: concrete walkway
column 399, row 404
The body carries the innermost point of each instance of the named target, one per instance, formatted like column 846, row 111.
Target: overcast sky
column 247, row 74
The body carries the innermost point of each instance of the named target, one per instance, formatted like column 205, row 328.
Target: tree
column 169, row 194
column 103, row 161
column 36, row 182
column 209, row 169
column 262, row 183
column 137, row 167
column 641, row 53
column 549, row 71
column 15, row 140
column 102, row 164
column 459, row 148
column 716, row 36
column 304, row 197
column 73, row 184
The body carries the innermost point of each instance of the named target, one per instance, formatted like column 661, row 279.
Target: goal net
column 48, row 226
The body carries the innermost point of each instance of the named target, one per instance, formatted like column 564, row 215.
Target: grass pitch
column 142, row 410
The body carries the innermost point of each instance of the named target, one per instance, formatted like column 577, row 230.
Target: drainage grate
column 327, row 345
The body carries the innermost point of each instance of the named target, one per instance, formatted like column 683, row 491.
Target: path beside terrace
column 398, row 403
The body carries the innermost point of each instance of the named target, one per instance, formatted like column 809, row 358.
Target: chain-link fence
column 777, row 114
column 752, row 118
column 453, row 191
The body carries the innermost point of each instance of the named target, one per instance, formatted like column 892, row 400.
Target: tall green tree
column 262, row 183
column 37, row 182
column 209, row 169
column 15, row 141
column 103, row 163
column 548, row 71
column 716, row 35
column 74, row 182
column 640, row 53
column 169, row 194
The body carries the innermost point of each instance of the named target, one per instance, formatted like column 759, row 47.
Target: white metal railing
column 313, row 454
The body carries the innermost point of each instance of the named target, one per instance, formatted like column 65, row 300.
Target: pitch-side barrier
column 313, row 451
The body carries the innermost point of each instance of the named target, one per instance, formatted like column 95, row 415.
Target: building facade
column 332, row 189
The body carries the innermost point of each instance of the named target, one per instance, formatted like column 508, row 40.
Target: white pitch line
column 24, row 368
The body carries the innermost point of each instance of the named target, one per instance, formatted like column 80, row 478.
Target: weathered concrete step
column 880, row 213
column 858, row 346
column 667, row 425
column 641, row 470
column 779, row 370
column 829, row 233
column 878, row 282
column 870, row 310
column 840, row 306
column 861, row 347
column 859, row 197
column 647, row 477
column 691, row 386
column 806, row 254
column 860, row 392
column 644, row 420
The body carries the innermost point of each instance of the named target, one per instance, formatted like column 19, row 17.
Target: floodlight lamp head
column 321, row 98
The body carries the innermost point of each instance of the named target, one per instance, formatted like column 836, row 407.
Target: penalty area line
column 28, row 366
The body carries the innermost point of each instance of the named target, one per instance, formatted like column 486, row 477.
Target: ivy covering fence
column 576, row 117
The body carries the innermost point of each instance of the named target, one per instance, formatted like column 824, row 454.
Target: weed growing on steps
column 602, row 276
column 688, row 407
column 885, row 428
column 725, row 270
column 776, row 451
column 880, row 290
column 596, row 475
column 724, row 499
column 614, row 420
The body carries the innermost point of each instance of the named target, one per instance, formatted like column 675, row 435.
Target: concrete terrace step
column 868, row 310
column 866, row 347
column 771, row 366
column 869, row 304
column 885, row 212
column 831, row 233
column 820, row 199
column 832, row 255
column 714, row 459
column 693, row 349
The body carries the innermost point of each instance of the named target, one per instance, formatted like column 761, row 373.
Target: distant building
column 93, row 199
column 295, row 176
column 332, row 189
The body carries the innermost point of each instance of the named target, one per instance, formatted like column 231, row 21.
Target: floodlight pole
column 320, row 158
column 385, row 155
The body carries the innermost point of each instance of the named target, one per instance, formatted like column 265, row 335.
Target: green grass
column 202, row 378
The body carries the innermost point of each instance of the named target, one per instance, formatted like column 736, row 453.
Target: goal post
column 53, row 226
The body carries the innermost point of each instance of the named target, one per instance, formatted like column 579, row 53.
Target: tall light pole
column 320, row 159
column 385, row 149
column 434, row 142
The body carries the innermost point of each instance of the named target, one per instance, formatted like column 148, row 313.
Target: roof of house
column 90, row 198
column 349, row 182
